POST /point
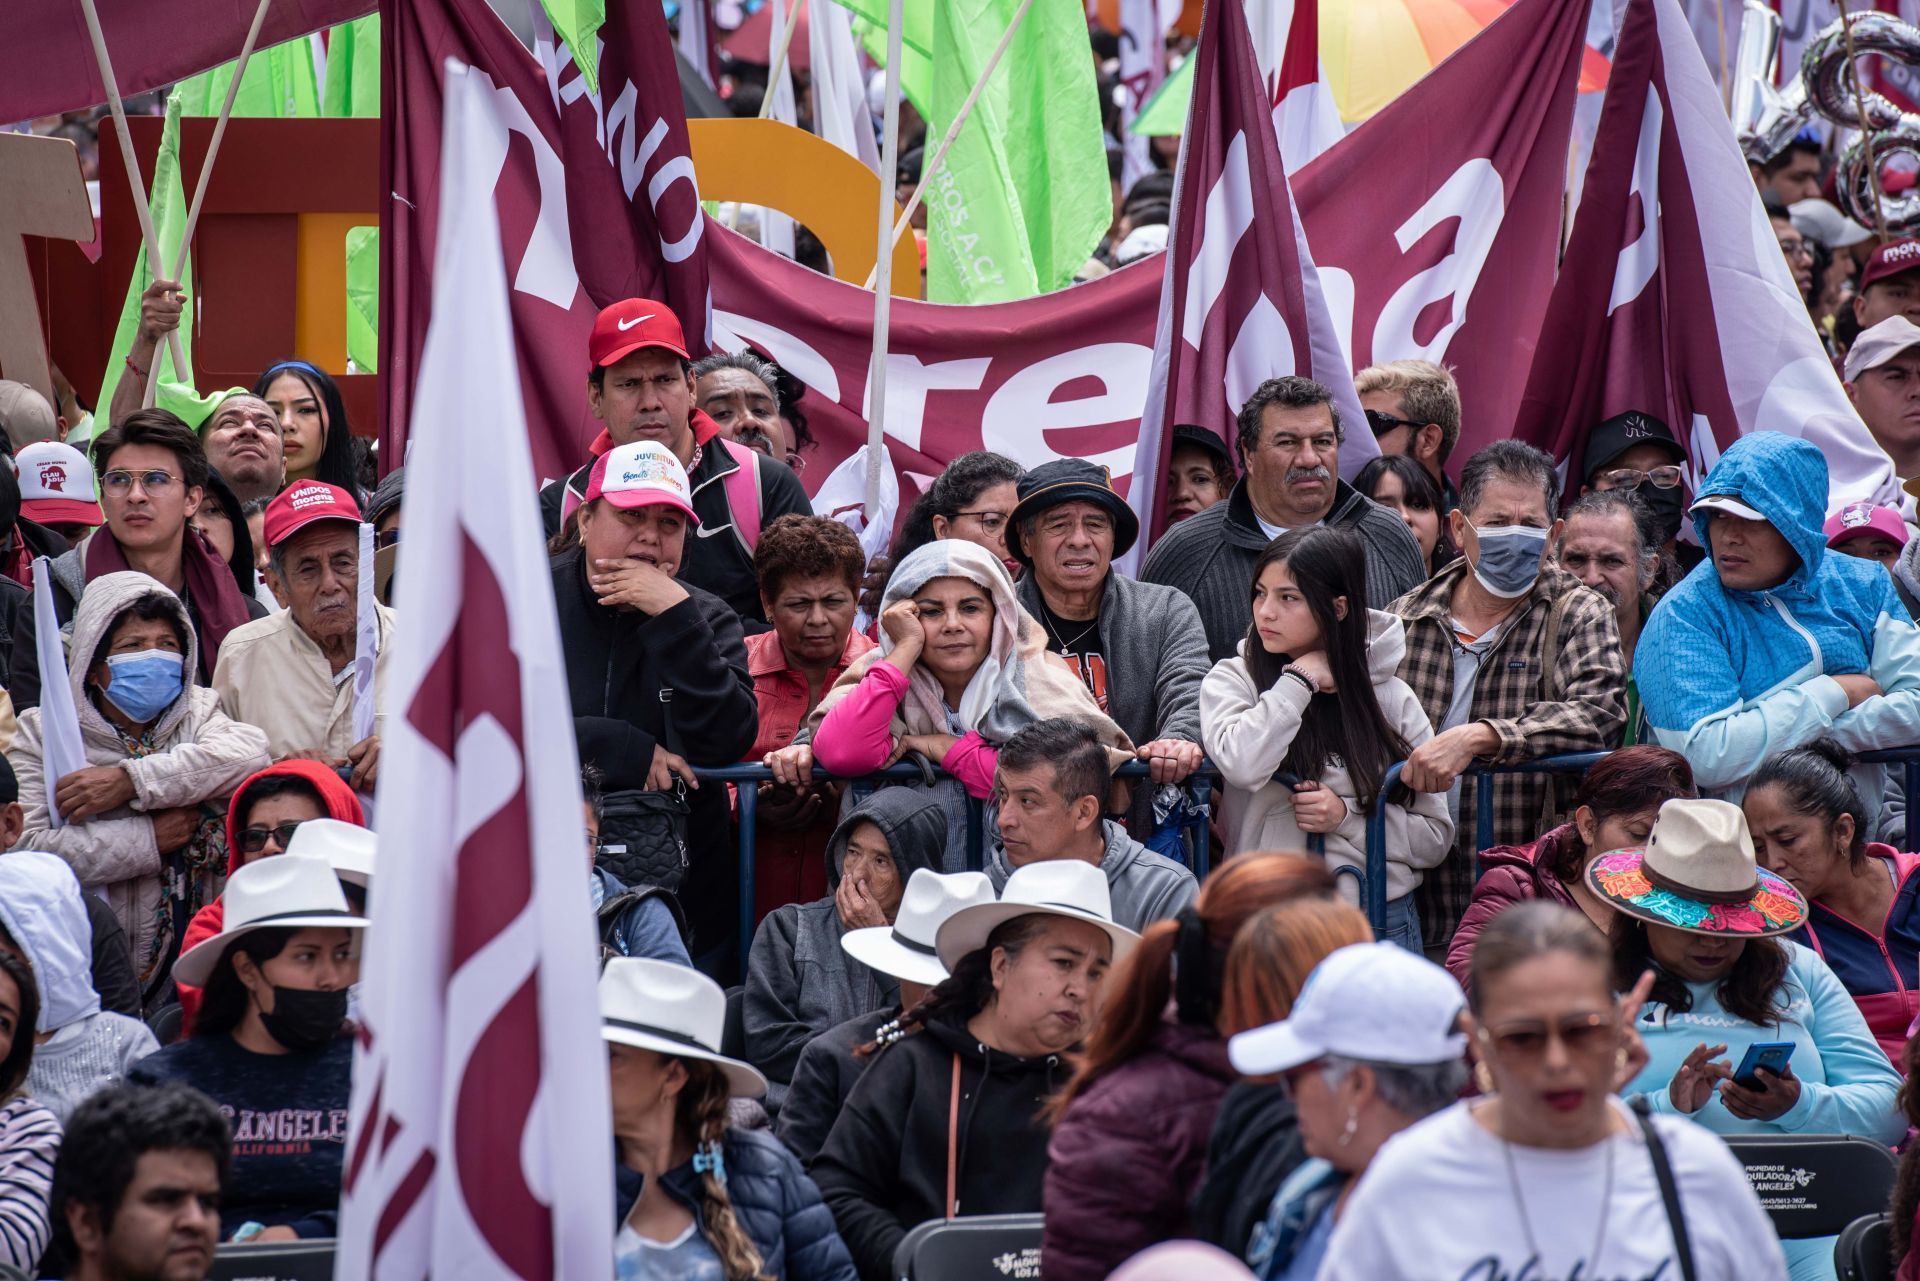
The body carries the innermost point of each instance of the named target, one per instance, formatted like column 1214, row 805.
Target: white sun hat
column 1068, row 887
column 347, row 848
column 289, row 892
column 673, row 1010
column 905, row 950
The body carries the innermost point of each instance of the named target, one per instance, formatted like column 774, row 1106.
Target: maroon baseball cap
column 629, row 325
column 302, row 503
column 1891, row 259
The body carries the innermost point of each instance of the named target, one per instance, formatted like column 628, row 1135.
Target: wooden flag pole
column 132, row 162
column 883, row 292
column 780, row 57
column 932, row 166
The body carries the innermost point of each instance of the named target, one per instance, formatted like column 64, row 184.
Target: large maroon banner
column 1435, row 226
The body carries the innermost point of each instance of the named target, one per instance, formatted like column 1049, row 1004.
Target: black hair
column 1291, row 392
column 151, row 607
column 745, row 361
column 108, row 1134
column 19, row 1056
column 1776, row 211
column 9, row 497
column 1513, row 461
column 791, row 391
column 1153, row 188
column 1754, row 990
column 9, row 782
column 1079, row 761
column 1419, row 491
column 161, row 429
column 1797, row 145
column 267, row 786
column 337, row 465
column 953, row 491
column 968, row 988
column 593, row 783
column 1814, row 779
column 223, row 1002
column 1327, row 562
column 240, row 564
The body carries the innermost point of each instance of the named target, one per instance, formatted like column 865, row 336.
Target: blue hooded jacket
column 1729, row 678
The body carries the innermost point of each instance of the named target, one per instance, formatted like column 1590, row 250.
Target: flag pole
column 882, row 282
column 200, row 184
column 780, row 56
column 132, row 162
column 932, row 166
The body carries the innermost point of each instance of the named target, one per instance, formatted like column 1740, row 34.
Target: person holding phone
column 1694, row 907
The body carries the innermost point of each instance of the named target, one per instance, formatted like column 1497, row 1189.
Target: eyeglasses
column 120, row 483
column 1382, row 423
column 990, row 522
column 1630, row 478
column 1796, row 249
column 254, row 839
column 1580, row 1033
column 386, row 538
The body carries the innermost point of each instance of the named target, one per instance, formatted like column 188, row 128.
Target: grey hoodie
column 1146, row 887
column 89, row 1049
column 799, row 981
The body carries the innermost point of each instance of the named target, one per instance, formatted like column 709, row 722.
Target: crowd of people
column 1010, row 977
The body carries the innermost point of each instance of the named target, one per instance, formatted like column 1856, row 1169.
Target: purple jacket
column 1509, row 874
column 1115, row 1185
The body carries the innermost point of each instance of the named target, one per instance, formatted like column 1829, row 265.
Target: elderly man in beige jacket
column 292, row 673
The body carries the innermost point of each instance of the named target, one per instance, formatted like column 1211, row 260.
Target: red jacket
column 1127, row 1158
column 1509, row 874
column 341, row 803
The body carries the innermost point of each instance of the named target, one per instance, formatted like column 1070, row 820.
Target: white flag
column 59, row 718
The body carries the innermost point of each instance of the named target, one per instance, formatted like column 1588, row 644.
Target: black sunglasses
column 1382, row 423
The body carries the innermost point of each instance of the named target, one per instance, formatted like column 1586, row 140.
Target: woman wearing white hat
column 904, row 952
column 698, row 1198
column 270, row 1046
column 946, row 1120
column 1693, row 907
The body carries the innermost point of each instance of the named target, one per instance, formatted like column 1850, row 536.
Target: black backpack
column 643, row 833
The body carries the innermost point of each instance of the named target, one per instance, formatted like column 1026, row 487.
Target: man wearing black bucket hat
column 1139, row 646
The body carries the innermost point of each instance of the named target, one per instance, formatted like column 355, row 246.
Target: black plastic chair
column 274, row 1261
column 1864, row 1251
column 1005, row 1247
column 165, row 1023
column 1814, row 1185
column 733, row 1032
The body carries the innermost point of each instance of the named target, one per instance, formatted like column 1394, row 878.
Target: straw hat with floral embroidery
column 1697, row 873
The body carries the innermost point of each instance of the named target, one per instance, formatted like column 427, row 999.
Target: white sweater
column 85, row 1057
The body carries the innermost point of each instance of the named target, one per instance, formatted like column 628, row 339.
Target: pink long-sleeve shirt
column 856, row 735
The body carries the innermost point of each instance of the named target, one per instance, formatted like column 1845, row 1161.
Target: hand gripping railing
column 748, row 777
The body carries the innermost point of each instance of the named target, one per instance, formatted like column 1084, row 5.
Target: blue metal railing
column 748, row 777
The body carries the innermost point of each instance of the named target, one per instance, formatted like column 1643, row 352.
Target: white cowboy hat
column 289, row 892
column 347, row 848
column 671, row 1010
column 905, row 949
column 1065, row 887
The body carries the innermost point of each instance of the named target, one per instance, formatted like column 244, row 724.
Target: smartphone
column 1771, row 1055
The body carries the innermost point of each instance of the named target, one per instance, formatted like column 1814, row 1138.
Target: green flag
column 279, row 83
column 353, row 69
column 1023, row 198
column 578, row 23
column 169, row 223
column 916, row 68
column 363, row 298
column 1165, row 113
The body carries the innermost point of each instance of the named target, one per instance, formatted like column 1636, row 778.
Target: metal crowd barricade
column 747, row 777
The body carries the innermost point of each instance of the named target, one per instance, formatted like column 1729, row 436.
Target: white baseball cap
column 1373, row 1002
column 57, row 485
column 1822, row 220
column 641, row 474
column 1726, row 503
column 1879, row 343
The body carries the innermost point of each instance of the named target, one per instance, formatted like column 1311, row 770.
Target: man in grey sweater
column 1051, row 786
column 1289, row 437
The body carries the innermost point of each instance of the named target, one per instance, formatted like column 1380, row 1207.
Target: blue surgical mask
column 1509, row 560
column 143, row 685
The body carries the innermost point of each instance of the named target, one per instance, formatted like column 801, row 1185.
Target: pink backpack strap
column 743, row 492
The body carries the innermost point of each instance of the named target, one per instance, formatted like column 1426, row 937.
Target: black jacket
column 883, row 1170
column 775, row 1202
column 822, row 1080
column 619, row 662
column 1255, row 1145
column 714, row 559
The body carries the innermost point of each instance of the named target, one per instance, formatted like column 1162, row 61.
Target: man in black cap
column 1288, row 435
column 1637, row 451
column 1199, row 473
column 1139, row 646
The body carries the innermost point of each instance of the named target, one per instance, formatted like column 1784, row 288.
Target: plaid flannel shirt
column 1589, row 673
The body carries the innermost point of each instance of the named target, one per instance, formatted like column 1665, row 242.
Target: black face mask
column 1668, row 508
column 304, row 1019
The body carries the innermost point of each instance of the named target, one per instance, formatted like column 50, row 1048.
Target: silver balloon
column 1765, row 119
column 1853, row 185
column 1829, row 77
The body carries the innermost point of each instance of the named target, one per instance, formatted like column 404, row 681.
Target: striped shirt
column 29, row 1141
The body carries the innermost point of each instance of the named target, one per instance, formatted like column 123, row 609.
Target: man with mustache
column 291, row 673
column 1606, row 542
column 1288, row 436
column 244, row 445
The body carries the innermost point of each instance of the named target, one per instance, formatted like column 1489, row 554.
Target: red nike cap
column 631, row 324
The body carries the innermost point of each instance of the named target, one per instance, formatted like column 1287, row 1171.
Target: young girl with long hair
column 1305, row 720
